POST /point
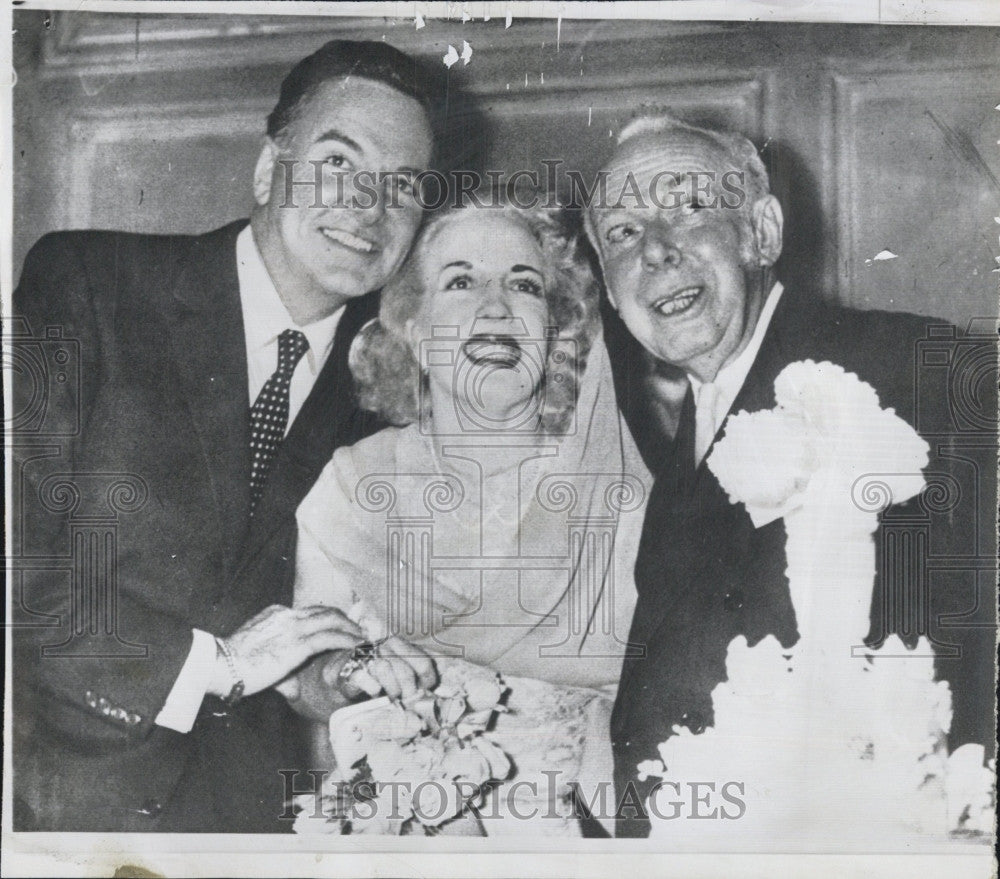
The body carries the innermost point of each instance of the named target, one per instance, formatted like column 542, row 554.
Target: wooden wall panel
column 876, row 137
column 524, row 132
column 917, row 176
column 203, row 176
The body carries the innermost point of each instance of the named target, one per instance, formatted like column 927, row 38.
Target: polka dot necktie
column 269, row 415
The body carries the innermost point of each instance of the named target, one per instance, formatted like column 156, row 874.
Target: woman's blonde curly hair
column 387, row 375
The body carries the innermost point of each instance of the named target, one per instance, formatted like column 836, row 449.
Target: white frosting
column 835, row 745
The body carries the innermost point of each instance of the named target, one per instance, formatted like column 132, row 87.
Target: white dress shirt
column 264, row 319
column 714, row 399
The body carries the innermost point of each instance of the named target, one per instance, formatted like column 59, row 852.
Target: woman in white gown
column 496, row 528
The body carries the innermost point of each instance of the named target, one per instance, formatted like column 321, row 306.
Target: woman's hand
column 398, row 670
column 318, row 689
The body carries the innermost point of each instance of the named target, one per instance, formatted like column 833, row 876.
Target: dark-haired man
column 214, row 383
column 689, row 266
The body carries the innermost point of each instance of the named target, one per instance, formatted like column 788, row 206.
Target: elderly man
column 688, row 253
column 214, row 387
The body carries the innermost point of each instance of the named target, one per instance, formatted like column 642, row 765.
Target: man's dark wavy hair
column 367, row 59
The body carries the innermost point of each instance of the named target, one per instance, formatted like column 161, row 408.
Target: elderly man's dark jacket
column 705, row 574
column 132, row 474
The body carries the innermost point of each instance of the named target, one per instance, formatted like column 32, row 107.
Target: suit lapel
column 775, row 354
column 209, row 350
column 329, row 418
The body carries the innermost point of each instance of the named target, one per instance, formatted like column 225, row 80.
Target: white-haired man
column 688, row 250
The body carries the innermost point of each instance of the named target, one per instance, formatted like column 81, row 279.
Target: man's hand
column 278, row 640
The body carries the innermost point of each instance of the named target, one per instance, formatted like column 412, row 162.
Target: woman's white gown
column 497, row 552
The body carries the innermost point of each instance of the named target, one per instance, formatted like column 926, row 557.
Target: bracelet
column 236, row 693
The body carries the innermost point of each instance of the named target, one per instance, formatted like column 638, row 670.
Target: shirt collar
column 265, row 316
column 731, row 377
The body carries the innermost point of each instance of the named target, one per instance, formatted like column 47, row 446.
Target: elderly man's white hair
column 742, row 153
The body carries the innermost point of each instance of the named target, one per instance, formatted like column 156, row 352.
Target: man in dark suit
column 689, row 268
column 158, row 528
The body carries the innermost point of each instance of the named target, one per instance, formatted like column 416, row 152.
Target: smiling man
column 688, row 253
column 321, row 224
column 688, row 269
column 214, row 382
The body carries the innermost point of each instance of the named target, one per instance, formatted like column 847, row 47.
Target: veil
column 527, row 568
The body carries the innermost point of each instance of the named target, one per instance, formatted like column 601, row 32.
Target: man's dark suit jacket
column 161, row 408
column 705, row 575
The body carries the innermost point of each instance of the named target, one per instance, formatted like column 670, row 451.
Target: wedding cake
column 827, row 744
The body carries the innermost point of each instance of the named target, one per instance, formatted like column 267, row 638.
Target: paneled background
column 878, row 138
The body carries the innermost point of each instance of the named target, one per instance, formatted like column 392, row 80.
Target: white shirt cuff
column 181, row 708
